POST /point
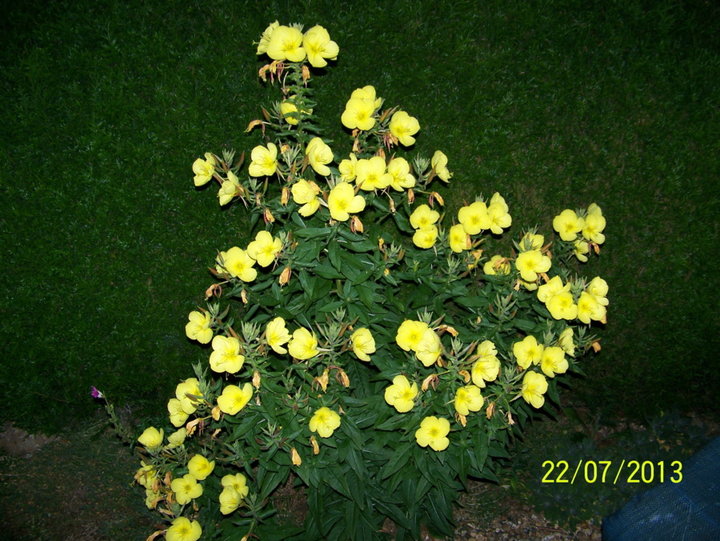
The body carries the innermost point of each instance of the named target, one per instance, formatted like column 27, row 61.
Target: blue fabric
column 685, row 511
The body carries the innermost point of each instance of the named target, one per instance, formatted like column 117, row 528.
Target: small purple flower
column 96, row 393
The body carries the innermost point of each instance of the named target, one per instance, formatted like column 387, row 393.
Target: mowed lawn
column 555, row 104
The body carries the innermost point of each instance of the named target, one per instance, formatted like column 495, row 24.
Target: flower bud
column 322, row 381
column 465, row 375
column 285, row 196
column 490, row 410
column 285, row 276
column 268, row 217
column 191, row 427
column 295, row 457
column 343, row 377
column 252, row 124
column 462, row 419
column 448, row 328
column 216, row 413
column 356, row 226
column 315, row 446
column 215, row 289
column 410, row 196
column 256, row 379
column 431, row 380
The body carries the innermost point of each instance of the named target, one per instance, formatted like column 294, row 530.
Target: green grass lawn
column 553, row 103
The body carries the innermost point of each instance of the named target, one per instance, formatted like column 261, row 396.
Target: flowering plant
column 364, row 340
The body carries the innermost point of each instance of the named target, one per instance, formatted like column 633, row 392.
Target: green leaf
column 313, row 233
column 326, row 271
column 403, row 223
column 525, row 325
column 398, row 460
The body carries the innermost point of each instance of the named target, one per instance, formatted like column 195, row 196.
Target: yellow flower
column 498, row 214
column 468, row 399
column 410, row 333
column 403, row 126
column 319, row 155
column 598, row 288
column 324, row 421
column 531, row 263
column 439, row 165
column 186, row 488
column 178, row 416
column 229, row 500
column 474, row 218
column 485, row 369
column 265, row 38
column 458, row 239
column 198, row 327
column 305, row 193
column 146, row 474
column 433, row 431
column 358, row 114
column 429, row 348
column 151, row 438
column 285, row 43
column 553, row 361
column 226, row 355
column 233, row 398
column 566, row 342
column 318, row 47
column 486, row 348
column 237, row 482
column 562, row 306
column 303, row 344
column 531, row 241
column 594, row 225
column 263, row 161
column 264, row 248
column 200, row 467
column 534, row 386
column 238, row 263
column 177, row 438
column 423, row 216
column 581, row 248
column 183, row 529
column 401, row 394
column 277, row 335
column 228, row 189
column 527, row 351
column 497, row 265
column 203, row 169
column 568, row 225
column 359, row 109
column 342, row 201
column 363, row 343
column 487, row 366
column 291, row 113
column 367, row 93
column 554, row 287
column 425, row 237
column 188, row 393
column 400, row 177
column 371, row 174
column 348, row 168
column 590, row 308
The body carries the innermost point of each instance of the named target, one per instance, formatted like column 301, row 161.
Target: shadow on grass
column 75, row 486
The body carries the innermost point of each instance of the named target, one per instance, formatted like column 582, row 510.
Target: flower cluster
column 349, row 354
